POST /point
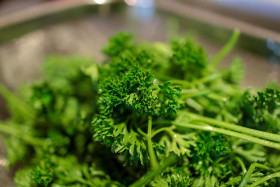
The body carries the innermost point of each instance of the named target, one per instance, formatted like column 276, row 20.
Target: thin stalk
column 250, row 172
column 153, row 159
column 238, row 128
column 205, row 79
column 162, row 129
column 16, row 102
column 194, row 94
column 141, row 132
column 194, row 104
column 21, row 135
column 241, row 164
column 182, row 83
column 162, row 122
column 187, row 84
column 216, row 97
column 226, row 48
column 268, row 177
column 230, row 133
column 171, row 159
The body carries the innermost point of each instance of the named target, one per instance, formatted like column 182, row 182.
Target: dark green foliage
column 189, row 60
column 140, row 118
column 131, row 91
column 169, row 97
column 119, row 43
column 43, row 173
column 261, row 111
column 64, row 171
column 235, row 73
column 208, row 157
column 136, row 91
column 129, row 144
column 210, row 146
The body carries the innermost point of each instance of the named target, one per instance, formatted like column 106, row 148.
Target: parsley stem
column 230, row 133
column 170, row 160
column 162, row 129
column 187, row 84
column 4, row 128
column 151, row 151
column 180, row 82
column 268, row 177
column 205, row 79
column 242, row 165
column 238, row 128
column 141, row 132
column 250, row 172
column 227, row 48
column 15, row 102
column 194, row 94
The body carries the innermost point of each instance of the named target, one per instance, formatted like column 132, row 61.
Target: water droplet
column 155, row 81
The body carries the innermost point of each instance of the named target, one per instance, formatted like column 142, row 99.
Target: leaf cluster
column 152, row 114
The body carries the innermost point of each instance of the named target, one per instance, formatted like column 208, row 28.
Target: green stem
column 194, row 94
column 205, row 79
column 152, row 155
column 182, row 83
column 230, row 133
column 162, row 129
column 141, row 132
column 21, row 135
column 238, row 128
column 17, row 104
column 226, row 48
column 241, row 164
column 268, row 177
column 250, row 172
column 186, row 84
column 171, row 159
column 194, row 104
column 162, row 122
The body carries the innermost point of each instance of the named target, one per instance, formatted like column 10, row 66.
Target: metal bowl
column 29, row 36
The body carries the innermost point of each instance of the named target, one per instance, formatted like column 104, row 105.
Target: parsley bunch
column 152, row 114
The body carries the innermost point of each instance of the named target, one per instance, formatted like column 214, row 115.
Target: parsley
column 152, row 114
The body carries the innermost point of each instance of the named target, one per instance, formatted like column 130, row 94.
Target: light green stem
column 250, row 172
column 153, row 159
column 171, row 159
column 187, row 84
column 141, row 132
column 182, row 83
column 268, row 177
column 4, row 128
column 162, row 129
column 16, row 103
column 238, row 128
column 230, row 133
column 194, row 94
column 241, row 164
column 226, row 48
column 205, row 79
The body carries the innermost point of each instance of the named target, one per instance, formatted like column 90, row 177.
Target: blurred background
column 265, row 13
column 31, row 30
